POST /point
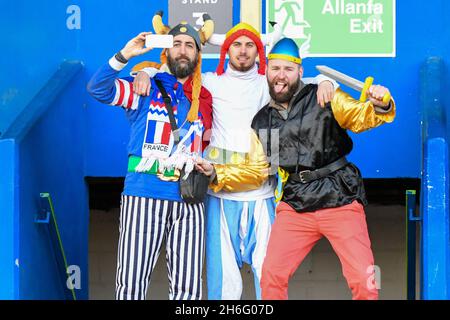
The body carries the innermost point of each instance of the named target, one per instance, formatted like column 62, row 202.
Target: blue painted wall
column 53, row 163
column 9, row 214
column 78, row 137
column 387, row 152
column 435, row 240
column 393, row 150
column 35, row 40
column 49, row 158
column 102, row 34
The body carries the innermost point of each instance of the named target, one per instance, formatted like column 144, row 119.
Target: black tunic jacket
column 309, row 139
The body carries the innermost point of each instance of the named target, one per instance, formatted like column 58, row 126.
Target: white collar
column 246, row 75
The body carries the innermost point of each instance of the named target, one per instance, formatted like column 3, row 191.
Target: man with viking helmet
column 151, row 206
column 323, row 195
column 240, row 208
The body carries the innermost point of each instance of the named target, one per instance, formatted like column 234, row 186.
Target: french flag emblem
column 158, row 139
column 158, row 132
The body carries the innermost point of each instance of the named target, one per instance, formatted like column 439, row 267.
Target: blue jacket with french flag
column 151, row 134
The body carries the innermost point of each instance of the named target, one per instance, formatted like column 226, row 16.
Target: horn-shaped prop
column 267, row 39
column 217, row 39
column 207, row 30
column 158, row 25
column 304, row 48
column 271, row 38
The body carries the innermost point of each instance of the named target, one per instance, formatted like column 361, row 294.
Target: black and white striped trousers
column 144, row 224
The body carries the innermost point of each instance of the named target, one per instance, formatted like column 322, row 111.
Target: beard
column 241, row 67
column 183, row 69
column 283, row 97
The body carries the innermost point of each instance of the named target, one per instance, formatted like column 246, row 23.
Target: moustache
column 182, row 57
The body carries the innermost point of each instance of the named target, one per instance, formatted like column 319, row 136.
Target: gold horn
column 207, row 30
column 158, row 25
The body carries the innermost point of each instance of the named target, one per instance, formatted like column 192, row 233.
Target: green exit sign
column 337, row 28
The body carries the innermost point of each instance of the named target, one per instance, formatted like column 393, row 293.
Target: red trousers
column 294, row 234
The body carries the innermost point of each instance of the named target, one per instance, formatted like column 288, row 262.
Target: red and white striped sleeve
column 123, row 90
column 124, row 95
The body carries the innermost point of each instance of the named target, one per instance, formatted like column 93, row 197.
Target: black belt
column 306, row 176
